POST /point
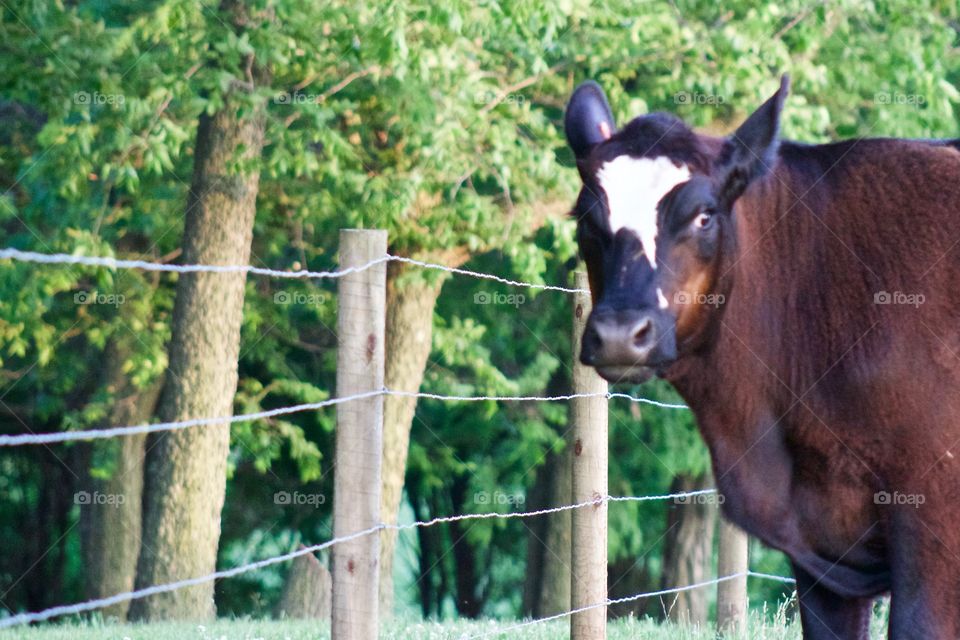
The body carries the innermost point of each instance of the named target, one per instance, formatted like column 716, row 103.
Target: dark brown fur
column 811, row 396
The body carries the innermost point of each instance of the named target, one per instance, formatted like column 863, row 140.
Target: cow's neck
column 738, row 391
column 746, row 439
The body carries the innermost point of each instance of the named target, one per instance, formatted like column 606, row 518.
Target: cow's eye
column 703, row 220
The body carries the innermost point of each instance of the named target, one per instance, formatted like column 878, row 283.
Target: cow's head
column 655, row 224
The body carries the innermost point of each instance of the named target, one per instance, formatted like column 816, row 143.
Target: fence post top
column 374, row 233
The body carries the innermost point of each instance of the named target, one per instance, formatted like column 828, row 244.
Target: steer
column 803, row 299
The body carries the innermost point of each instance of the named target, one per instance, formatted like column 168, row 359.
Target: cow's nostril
column 641, row 333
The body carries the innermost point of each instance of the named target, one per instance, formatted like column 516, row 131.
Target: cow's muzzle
column 628, row 345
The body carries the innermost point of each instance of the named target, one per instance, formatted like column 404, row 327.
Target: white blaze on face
column 634, row 187
column 662, row 299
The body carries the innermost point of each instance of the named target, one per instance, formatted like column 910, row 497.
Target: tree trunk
column 110, row 529
column 687, row 553
column 186, row 469
column 626, row 577
column 40, row 557
column 427, row 542
column 410, row 306
column 546, row 585
column 537, row 498
column 306, row 591
column 469, row 600
column 555, row 584
column 732, row 558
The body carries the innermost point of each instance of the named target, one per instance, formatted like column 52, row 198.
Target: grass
column 760, row 627
column 307, row 630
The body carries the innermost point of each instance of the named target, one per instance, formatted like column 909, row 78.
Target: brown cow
column 803, row 300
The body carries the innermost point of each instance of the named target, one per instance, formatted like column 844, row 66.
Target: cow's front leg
column 925, row 563
column 827, row 616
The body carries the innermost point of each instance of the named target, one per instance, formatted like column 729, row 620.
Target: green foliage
column 440, row 123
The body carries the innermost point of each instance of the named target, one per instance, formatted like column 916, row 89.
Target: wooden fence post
column 731, row 594
column 356, row 499
column 588, row 420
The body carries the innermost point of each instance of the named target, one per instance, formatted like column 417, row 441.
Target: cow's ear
column 752, row 149
column 588, row 120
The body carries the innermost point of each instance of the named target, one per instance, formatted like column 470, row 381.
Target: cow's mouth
column 634, row 374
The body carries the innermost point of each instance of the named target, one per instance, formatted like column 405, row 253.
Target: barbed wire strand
column 656, row 403
column 639, row 596
column 770, row 576
column 484, row 276
column 572, row 396
column 549, row 510
column 99, row 261
column 90, row 605
column 117, row 263
column 606, row 603
column 110, row 432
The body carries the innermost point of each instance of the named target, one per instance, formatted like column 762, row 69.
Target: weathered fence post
column 356, row 499
column 731, row 594
column 588, row 419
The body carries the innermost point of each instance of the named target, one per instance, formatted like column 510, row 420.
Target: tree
column 443, row 179
column 556, row 576
column 687, row 554
column 438, row 122
column 409, row 331
column 187, row 470
column 111, row 530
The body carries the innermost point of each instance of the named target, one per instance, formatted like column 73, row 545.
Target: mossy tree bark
column 538, row 497
column 687, row 553
column 306, row 591
column 186, row 469
column 556, row 581
column 110, row 530
column 410, row 305
column 469, row 593
column 547, row 583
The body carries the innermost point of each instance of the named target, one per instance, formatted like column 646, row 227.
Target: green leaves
column 438, row 122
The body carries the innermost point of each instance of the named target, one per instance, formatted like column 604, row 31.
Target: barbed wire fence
column 365, row 534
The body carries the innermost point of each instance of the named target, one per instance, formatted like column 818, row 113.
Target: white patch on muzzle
column 634, row 188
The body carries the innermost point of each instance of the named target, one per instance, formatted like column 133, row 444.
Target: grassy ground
column 297, row 630
column 760, row 627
